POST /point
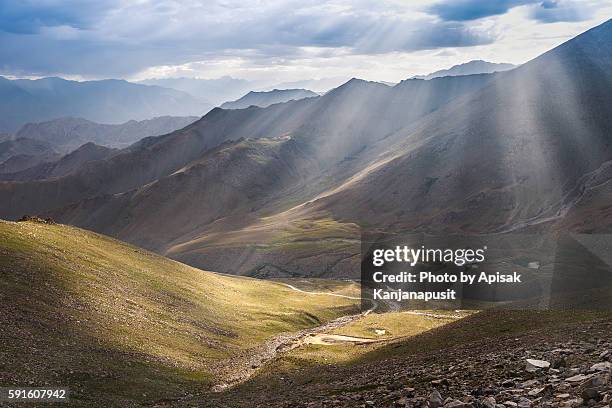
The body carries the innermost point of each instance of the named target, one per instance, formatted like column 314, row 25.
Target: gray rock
column 524, row 403
column 559, row 362
column 435, row 399
column 546, row 390
column 488, row 402
column 590, row 394
column 604, row 366
column 402, row 402
column 530, row 383
column 599, row 380
column 576, row 402
column 535, row 365
column 577, row 378
column 458, row 404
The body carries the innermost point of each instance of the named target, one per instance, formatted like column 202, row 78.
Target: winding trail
column 367, row 312
column 239, row 369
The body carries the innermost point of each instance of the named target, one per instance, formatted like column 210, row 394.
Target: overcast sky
column 279, row 40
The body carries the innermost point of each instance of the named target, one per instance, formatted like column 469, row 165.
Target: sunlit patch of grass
column 389, row 325
column 392, row 325
column 303, row 231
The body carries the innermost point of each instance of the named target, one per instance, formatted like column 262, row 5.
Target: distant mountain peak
column 469, row 68
column 264, row 99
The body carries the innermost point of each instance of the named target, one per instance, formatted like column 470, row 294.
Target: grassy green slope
column 115, row 322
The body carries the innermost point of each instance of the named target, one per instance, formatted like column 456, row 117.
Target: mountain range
column 104, row 101
column 285, row 190
column 219, row 90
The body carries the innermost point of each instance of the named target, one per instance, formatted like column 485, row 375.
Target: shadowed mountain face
column 20, row 162
column 517, row 150
column 67, row 134
column 22, row 153
column 107, row 101
column 65, row 165
column 265, row 99
column 24, row 146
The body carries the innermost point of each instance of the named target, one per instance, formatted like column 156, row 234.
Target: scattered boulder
column 488, row 402
column 435, row 400
column 600, row 380
column 538, row 392
column 524, row 403
column 576, row 402
column 536, row 365
column 577, row 378
column 590, row 394
column 458, row 404
column 560, row 362
column 604, row 366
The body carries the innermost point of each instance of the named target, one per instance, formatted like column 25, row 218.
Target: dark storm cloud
column 552, row 11
column 546, row 11
column 465, row 10
column 29, row 16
